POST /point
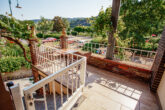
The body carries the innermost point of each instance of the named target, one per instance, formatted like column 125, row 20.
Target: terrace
column 105, row 90
column 70, row 76
column 64, row 81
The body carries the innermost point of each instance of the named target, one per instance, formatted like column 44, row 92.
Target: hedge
column 55, row 35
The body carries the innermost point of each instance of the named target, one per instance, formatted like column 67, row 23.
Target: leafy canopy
column 102, row 23
column 44, row 25
column 18, row 29
column 14, row 30
column 58, row 24
column 142, row 18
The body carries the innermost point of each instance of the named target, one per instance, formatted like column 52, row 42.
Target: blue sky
column 33, row 9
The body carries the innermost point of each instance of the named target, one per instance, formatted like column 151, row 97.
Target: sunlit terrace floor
column 108, row 91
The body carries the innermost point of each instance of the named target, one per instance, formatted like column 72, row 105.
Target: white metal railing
column 134, row 55
column 66, row 73
column 139, row 56
column 120, row 53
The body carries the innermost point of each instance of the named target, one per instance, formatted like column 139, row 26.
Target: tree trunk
column 110, row 46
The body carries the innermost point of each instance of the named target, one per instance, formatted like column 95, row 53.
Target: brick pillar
column 33, row 59
column 64, row 40
column 32, row 42
column 158, row 67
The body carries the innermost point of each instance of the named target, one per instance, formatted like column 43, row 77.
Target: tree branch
column 21, row 46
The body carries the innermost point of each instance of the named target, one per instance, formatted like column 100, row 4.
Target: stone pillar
column 158, row 67
column 64, row 40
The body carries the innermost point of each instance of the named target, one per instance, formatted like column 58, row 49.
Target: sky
column 34, row 9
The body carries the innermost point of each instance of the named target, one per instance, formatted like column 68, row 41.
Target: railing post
column 83, row 72
column 29, row 102
column 17, row 98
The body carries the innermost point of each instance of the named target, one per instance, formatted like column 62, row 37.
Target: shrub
column 13, row 50
column 99, row 40
column 74, row 33
column 40, row 35
column 57, row 36
column 10, row 64
column 147, row 46
column 68, row 32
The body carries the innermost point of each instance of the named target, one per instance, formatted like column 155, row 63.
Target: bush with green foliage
column 12, row 57
column 10, row 64
column 40, row 35
column 74, row 33
column 99, row 40
column 68, row 32
column 55, row 35
column 11, row 50
column 147, row 46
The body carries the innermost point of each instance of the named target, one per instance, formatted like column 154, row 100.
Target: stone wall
column 21, row 73
column 119, row 68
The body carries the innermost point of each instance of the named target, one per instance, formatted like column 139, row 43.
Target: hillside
column 73, row 21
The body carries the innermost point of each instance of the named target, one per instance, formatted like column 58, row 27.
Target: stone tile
column 89, row 105
column 136, row 96
column 130, row 89
column 128, row 92
column 112, row 95
column 125, row 108
column 121, row 90
column 110, row 91
column 106, row 103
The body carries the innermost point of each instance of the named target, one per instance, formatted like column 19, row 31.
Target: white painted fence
column 66, row 68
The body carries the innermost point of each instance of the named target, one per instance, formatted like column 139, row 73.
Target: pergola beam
column 115, row 12
column 114, row 19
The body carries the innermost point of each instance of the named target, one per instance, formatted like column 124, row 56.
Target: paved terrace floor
column 109, row 91
column 106, row 91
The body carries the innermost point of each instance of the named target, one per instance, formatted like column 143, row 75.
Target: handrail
column 50, row 78
column 74, row 74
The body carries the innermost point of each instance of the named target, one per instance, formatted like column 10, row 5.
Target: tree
column 14, row 30
column 44, row 25
column 142, row 18
column 66, row 23
column 79, row 29
column 102, row 23
column 58, row 24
